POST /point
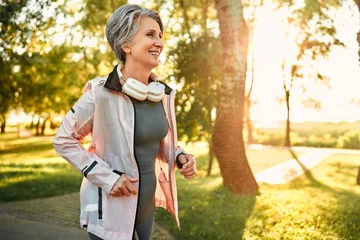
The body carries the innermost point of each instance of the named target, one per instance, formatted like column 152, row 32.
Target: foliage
column 350, row 140
column 311, row 31
column 313, row 134
column 195, row 60
column 199, row 72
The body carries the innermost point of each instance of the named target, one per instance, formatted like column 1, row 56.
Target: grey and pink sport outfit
column 109, row 115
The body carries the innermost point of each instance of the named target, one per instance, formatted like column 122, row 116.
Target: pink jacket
column 108, row 114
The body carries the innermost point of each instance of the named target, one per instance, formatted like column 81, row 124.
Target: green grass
column 30, row 168
column 323, row 204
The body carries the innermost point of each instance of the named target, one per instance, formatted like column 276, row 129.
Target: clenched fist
column 124, row 186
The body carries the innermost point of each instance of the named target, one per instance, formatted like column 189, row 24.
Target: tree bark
column 228, row 137
column 287, row 131
column 37, row 127
column 3, row 124
column 43, row 127
column 249, row 125
column 211, row 158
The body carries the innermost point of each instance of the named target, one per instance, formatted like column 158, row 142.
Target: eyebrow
column 152, row 30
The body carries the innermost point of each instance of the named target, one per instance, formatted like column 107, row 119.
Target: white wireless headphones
column 153, row 92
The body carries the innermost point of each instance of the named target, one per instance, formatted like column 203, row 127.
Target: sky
column 342, row 69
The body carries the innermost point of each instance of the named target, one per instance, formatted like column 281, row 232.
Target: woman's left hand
column 188, row 169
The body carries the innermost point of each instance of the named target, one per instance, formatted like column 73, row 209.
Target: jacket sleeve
column 75, row 126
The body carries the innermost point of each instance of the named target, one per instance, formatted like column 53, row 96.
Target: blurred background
column 301, row 89
column 50, row 49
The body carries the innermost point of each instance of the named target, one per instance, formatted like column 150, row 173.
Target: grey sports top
column 150, row 127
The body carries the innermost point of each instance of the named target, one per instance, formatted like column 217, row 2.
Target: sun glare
column 275, row 41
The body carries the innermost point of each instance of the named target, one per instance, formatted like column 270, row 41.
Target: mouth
column 154, row 53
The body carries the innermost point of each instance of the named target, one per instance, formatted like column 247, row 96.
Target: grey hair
column 122, row 27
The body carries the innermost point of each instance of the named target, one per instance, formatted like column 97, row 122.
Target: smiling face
column 147, row 45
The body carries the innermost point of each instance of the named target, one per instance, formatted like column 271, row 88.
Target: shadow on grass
column 34, row 185
column 347, row 213
column 207, row 210
column 30, row 147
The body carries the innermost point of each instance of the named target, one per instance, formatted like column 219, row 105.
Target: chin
column 154, row 65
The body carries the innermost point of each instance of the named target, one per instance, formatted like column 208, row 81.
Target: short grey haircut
column 122, row 27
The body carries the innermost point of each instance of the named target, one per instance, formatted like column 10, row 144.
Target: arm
column 67, row 143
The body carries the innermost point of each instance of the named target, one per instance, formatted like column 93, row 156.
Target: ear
column 127, row 49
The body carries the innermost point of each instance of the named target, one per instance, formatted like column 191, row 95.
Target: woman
column 129, row 167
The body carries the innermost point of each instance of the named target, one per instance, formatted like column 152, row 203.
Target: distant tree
column 358, row 39
column 228, row 136
column 252, row 8
column 313, row 31
column 16, row 33
column 358, row 34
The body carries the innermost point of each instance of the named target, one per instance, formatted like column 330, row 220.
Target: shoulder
column 94, row 83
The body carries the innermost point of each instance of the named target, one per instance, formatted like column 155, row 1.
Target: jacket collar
column 113, row 80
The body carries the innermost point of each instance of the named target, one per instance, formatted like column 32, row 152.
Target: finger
column 182, row 159
column 133, row 180
column 131, row 188
column 189, row 177
column 189, row 173
column 125, row 191
column 189, row 161
column 186, row 170
column 116, row 194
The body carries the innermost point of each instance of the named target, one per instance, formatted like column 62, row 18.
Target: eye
column 150, row 34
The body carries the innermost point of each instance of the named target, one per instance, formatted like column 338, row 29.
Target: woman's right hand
column 124, row 186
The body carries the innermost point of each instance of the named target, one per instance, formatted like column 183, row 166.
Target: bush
column 349, row 140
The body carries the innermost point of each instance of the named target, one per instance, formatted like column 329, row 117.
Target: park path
column 297, row 166
column 56, row 218
column 52, row 218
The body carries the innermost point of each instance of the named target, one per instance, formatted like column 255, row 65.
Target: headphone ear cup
column 135, row 89
column 156, row 91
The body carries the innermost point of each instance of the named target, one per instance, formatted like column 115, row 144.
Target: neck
column 133, row 71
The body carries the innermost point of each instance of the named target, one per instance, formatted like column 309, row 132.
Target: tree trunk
column 211, row 158
column 3, row 124
column 43, row 126
column 287, row 131
column 249, row 125
column 37, row 127
column 32, row 122
column 228, row 137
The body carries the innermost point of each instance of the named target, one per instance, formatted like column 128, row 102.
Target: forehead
column 147, row 23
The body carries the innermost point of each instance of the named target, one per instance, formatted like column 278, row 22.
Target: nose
column 159, row 43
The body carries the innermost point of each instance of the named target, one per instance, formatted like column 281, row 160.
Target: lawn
column 323, row 204
column 30, row 168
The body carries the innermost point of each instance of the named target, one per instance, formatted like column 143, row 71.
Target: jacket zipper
column 137, row 164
